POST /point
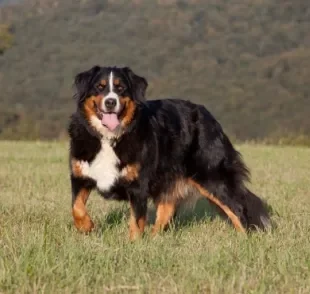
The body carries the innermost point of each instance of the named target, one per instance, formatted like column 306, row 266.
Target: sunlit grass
column 41, row 252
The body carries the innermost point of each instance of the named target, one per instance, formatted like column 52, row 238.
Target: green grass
column 41, row 252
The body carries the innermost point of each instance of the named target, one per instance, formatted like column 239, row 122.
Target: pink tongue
column 110, row 120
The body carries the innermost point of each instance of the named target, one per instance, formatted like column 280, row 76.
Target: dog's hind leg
column 137, row 222
column 230, row 207
column 168, row 202
column 164, row 213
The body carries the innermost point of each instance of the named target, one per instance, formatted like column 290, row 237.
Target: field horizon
column 41, row 252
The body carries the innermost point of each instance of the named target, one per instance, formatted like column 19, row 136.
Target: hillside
column 249, row 63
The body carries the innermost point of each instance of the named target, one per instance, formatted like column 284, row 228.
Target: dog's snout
column 110, row 103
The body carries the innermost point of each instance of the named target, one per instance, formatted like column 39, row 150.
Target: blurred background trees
column 6, row 38
column 247, row 61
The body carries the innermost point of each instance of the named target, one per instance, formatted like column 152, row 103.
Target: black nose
column 110, row 103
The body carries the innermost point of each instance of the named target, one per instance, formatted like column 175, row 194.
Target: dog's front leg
column 80, row 194
column 138, row 211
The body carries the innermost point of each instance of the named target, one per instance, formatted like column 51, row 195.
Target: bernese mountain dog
column 133, row 150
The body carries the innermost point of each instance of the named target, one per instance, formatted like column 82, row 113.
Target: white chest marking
column 103, row 169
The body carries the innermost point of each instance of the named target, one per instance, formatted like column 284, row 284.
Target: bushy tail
column 254, row 211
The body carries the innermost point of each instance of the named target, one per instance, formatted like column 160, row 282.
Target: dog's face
column 109, row 96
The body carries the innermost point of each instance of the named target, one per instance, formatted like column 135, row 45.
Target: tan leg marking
column 136, row 226
column 82, row 220
column 234, row 218
column 164, row 213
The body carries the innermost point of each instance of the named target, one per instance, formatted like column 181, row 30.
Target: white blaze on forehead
column 111, row 81
column 111, row 93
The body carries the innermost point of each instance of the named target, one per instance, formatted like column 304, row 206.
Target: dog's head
column 108, row 97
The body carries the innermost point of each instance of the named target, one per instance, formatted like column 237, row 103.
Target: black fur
column 170, row 139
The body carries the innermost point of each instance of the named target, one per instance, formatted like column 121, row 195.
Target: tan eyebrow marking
column 103, row 82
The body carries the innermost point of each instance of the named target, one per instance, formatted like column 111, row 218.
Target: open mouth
column 109, row 119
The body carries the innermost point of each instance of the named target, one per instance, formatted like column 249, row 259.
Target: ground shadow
column 113, row 218
column 189, row 214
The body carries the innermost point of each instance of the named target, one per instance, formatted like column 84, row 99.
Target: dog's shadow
column 187, row 215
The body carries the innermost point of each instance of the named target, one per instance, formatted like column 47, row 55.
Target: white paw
column 84, row 167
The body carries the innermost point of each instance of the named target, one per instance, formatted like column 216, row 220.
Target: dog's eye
column 100, row 87
column 120, row 88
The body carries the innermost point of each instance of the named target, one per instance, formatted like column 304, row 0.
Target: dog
column 130, row 149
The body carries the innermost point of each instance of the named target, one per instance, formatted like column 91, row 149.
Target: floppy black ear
column 82, row 81
column 139, row 84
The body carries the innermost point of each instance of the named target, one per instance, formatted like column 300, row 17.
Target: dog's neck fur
column 120, row 130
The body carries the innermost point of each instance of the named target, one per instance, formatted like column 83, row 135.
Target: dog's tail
column 255, row 211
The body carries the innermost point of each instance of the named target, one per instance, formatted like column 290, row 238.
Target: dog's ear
column 83, row 80
column 138, row 84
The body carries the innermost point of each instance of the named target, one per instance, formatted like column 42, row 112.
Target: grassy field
column 41, row 252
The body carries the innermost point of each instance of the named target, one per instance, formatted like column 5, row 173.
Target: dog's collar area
column 112, row 141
